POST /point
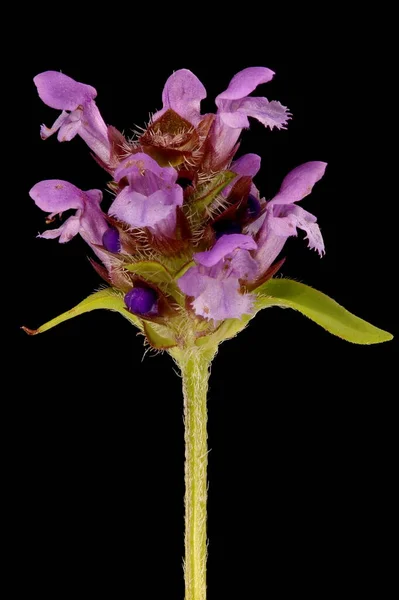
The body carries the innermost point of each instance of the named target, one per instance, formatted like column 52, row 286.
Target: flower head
column 188, row 240
column 176, row 193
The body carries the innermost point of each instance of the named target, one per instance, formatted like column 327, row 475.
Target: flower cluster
column 187, row 230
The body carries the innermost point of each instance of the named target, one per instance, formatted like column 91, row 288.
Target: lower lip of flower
column 141, row 300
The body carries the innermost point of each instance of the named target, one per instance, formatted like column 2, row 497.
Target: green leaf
column 321, row 309
column 151, row 270
column 108, row 299
column 159, row 336
column 206, row 193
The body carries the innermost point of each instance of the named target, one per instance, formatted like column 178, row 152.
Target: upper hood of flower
column 60, row 91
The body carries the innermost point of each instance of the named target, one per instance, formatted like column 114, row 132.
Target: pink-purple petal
column 225, row 245
column 240, row 265
column 56, row 195
column 223, row 300
column 215, row 299
column 138, row 210
column 269, row 247
column 247, row 165
column 70, row 127
column 307, row 222
column 232, row 118
column 60, row 91
column 224, row 139
column 93, row 224
column 183, row 93
column 270, row 114
column 299, row 182
column 245, row 82
column 139, row 168
column 95, row 196
column 46, row 132
column 94, row 132
column 66, row 232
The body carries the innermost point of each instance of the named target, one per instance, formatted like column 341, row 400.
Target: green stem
column 195, row 374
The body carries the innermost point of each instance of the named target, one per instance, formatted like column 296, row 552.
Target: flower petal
column 247, row 165
column 46, row 132
column 66, row 232
column 70, row 127
column 145, row 174
column 269, row 249
column 56, row 195
column 95, row 132
column 60, row 91
column 222, row 300
column 224, row 140
column 232, row 118
column 245, row 82
column 241, row 265
column 225, row 245
column 299, row 182
column 93, row 224
column 306, row 221
column 139, row 210
column 270, row 114
column 183, row 93
column 95, row 196
column 215, row 299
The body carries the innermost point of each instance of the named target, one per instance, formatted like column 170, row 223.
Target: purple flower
column 215, row 283
column 283, row 217
column 235, row 106
column 56, row 196
column 80, row 114
column 151, row 198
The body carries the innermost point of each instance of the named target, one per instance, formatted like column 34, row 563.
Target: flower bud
column 111, row 241
column 141, row 300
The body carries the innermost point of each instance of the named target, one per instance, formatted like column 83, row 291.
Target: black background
column 301, row 424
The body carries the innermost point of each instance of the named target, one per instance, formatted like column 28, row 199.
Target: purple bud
column 253, row 207
column 141, row 300
column 226, row 227
column 111, row 240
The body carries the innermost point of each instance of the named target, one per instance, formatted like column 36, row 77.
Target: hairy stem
column 195, row 373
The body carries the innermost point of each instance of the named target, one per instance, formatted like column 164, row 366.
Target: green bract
column 284, row 293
